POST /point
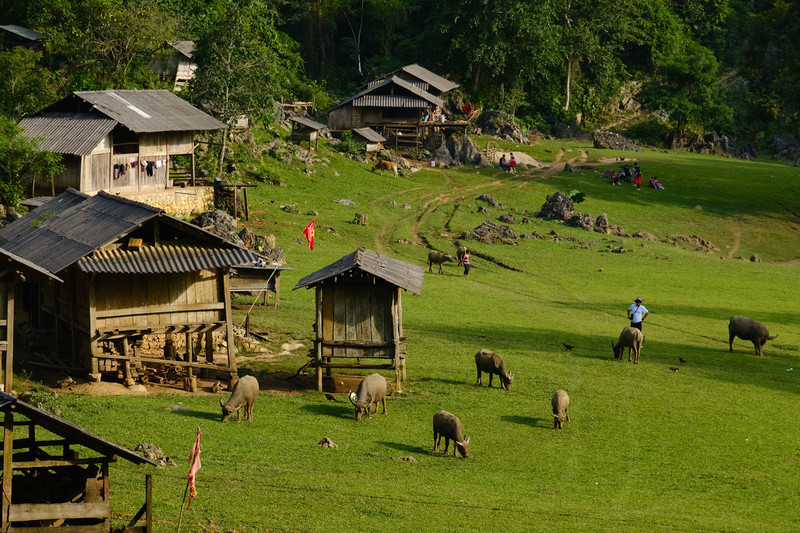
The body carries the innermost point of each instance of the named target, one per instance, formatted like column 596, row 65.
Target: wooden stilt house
column 56, row 475
column 359, row 322
column 137, row 283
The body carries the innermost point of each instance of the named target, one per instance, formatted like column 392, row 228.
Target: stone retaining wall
column 177, row 201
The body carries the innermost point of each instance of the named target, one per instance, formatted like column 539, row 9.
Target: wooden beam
column 51, row 511
column 357, row 365
column 55, row 463
column 159, row 310
column 152, row 360
column 95, row 528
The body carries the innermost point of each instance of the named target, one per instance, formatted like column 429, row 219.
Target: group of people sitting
column 510, row 165
column 628, row 175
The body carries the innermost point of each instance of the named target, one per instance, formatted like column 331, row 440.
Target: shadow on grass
column 530, row 421
column 328, row 409
column 188, row 413
column 407, row 448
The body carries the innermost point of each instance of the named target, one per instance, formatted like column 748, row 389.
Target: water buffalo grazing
column 436, row 257
column 560, row 408
column 447, row 425
column 748, row 329
column 461, row 251
column 385, row 165
column 492, row 363
column 632, row 339
column 245, row 394
column 371, row 391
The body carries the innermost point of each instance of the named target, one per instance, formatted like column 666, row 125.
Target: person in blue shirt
column 637, row 313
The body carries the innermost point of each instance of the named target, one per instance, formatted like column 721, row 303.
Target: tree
column 21, row 162
column 25, row 85
column 243, row 62
column 688, row 90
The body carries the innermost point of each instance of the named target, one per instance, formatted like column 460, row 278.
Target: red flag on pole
column 309, row 233
column 194, row 464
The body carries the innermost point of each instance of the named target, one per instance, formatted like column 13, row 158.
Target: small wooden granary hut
column 359, row 322
column 306, row 130
column 56, row 475
column 119, row 140
column 371, row 139
column 179, row 66
column 132, row 280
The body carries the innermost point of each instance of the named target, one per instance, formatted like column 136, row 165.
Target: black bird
column 331, row 397
column 674, row 368
column 682, row 360
column 568, row 347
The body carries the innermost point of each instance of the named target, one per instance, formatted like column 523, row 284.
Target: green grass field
column 712, row 447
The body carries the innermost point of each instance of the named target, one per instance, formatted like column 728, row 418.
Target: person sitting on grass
column 503, row 165
column 615, row 179
column 655, row 184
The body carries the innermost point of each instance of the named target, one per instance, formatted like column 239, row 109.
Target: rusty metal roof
column 74, row 225
column 68, row 430
column 370, row 135
column 163, row 259
column 409, row 95
column 67, row 133
column 394, row 271
column 308, row 123
column 25, row 33
column 141, row 111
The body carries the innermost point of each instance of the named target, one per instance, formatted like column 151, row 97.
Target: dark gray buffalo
column 492, row 363
column 448, row 425
column 748, row 329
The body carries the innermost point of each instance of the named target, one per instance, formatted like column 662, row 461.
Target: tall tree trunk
column 569, row 82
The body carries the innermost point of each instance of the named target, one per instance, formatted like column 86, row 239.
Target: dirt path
column 737, row 236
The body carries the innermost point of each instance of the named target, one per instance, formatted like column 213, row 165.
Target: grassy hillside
column 712, row 447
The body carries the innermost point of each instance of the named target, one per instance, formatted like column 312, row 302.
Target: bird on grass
column 568, row 347
column 682, row 360
column 674, row 368
column 331, row 397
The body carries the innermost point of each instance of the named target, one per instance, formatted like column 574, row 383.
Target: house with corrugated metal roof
column 56, row 474
column 359, row 315
column 129, row 292
column 119, row 140
column 403, row 106
column 422, row 78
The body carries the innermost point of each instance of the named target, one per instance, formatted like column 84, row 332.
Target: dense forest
column 730, row 67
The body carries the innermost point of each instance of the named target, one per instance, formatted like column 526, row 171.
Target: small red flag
column 309, row 233
column 194, row 463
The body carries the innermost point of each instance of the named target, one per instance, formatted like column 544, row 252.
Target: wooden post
column 209, row 346
column 148, row 495
column 222, row 276
column 246, row 209
column 318, row 334
column 8, row 463
column 396, row 340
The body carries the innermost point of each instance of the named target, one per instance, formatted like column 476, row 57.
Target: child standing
column 466, row 262
column 512, row 164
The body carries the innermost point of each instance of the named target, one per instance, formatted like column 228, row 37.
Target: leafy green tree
column 244, row 63
column 687, row 88
column 25, row 85
column 21, row 162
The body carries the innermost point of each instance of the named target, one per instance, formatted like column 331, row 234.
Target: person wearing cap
column 637, row 313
